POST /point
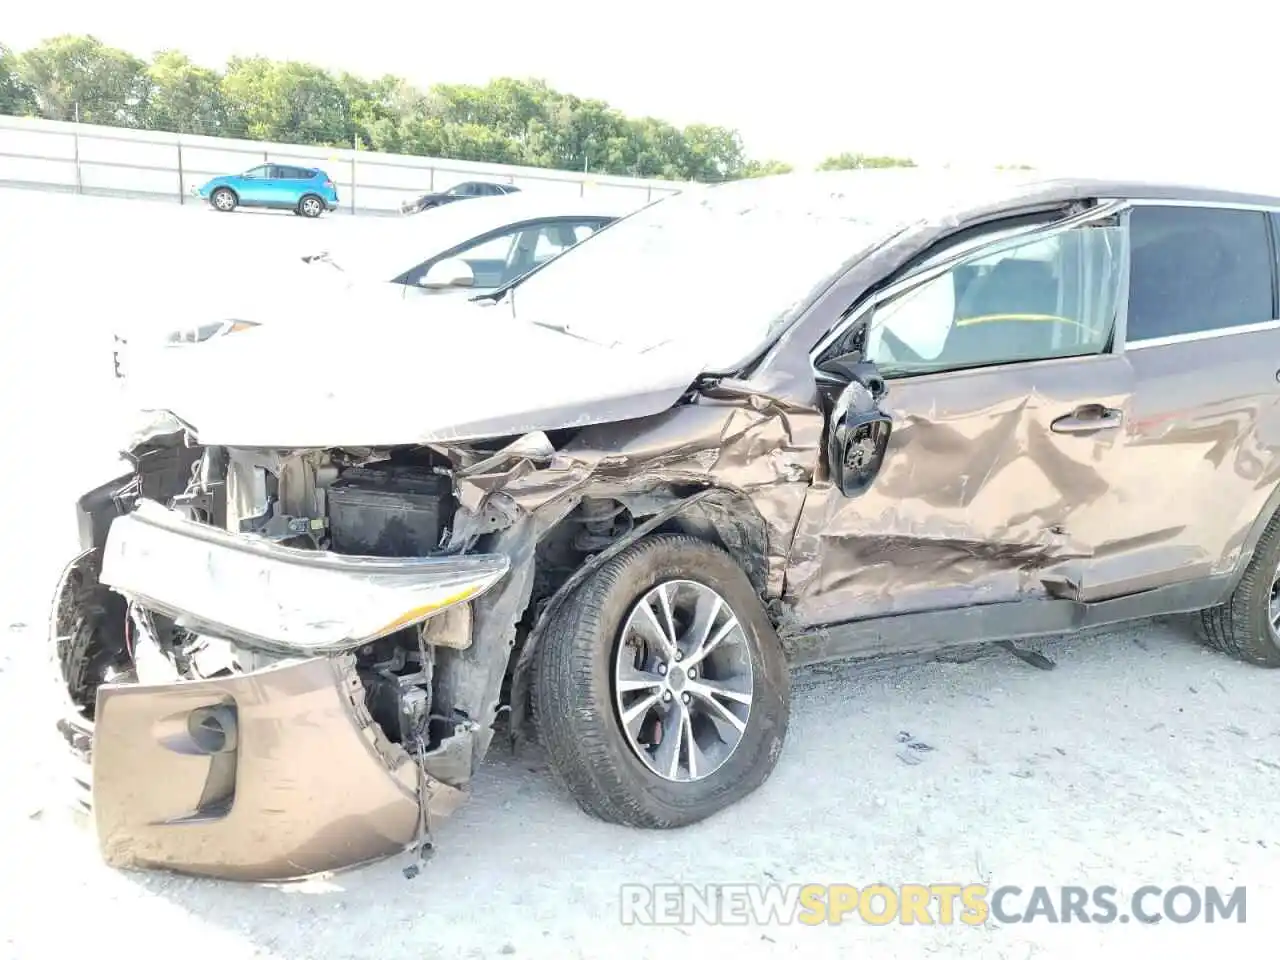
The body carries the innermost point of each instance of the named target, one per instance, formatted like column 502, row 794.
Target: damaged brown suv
column 763, row 424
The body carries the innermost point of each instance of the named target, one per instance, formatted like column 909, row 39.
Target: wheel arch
column 728, row 518
column 719, row 515
column 1252, row 537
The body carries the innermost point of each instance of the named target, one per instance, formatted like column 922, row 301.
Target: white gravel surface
column 1141, row 759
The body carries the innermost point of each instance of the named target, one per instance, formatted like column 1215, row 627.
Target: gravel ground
column 1141, row 758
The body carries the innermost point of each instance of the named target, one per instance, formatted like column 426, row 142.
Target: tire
column 1242, row 627
column 224, row 200
column 579, row 718
column 310, row 206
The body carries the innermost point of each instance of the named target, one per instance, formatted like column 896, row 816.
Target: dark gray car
column 748, row 427
column 459, row 191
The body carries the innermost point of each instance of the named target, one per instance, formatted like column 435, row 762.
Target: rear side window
column 1197, row 269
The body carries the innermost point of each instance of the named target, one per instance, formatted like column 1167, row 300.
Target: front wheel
column 310, row 206
column 661, row 690
column 224, row 200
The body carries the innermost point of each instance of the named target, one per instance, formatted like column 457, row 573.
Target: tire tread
column 580, row 741
column 1233, row 627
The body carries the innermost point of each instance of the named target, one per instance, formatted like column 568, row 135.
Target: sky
column 1121, row 87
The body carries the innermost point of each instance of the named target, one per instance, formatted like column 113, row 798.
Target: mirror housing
column 448, row 273
column 858, row 436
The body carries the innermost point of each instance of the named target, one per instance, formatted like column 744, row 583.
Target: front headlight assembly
column 252, row 590
column 208, row 331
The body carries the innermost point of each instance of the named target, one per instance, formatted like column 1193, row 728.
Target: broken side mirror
column 859, row 433
column 448, row 273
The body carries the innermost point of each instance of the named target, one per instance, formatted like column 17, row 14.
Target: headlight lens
column 208, row 331
column 257, row 592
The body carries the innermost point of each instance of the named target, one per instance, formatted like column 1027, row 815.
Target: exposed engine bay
column 317, row 645
column 391, row 503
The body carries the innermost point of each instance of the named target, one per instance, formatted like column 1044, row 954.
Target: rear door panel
column 1204, row 345
column 1205, row 436
column 280, row 190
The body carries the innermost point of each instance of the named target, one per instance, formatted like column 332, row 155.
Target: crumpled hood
column 370, row 372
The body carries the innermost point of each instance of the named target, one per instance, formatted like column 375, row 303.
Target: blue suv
column 306, row 191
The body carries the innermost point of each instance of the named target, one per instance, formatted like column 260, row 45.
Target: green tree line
column 523, row 122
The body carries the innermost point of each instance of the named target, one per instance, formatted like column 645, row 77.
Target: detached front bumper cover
column 271, row 775
column 281, row 599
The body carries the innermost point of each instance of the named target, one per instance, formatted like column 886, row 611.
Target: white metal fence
column 111, row 161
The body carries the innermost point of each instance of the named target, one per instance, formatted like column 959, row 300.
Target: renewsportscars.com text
column 879, row 904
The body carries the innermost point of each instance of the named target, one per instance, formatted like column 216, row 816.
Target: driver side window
column 1046, row 297
column 490, row 259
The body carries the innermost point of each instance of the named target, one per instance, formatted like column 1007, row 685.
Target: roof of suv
column 514, row 207
column 906, row 194
column 1068, row 188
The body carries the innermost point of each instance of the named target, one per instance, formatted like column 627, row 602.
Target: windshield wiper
column 561, row 328
column 321, row 257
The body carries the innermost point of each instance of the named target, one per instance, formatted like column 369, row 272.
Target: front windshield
column 383, row 249
column 721, row 269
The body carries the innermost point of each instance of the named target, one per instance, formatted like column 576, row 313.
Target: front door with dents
column 1009, row 472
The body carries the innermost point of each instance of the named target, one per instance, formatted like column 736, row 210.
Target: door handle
column 1088, row 418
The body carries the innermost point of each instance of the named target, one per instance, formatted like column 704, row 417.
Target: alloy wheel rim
column 683, row 681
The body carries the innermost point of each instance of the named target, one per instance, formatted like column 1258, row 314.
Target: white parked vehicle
column 469, row 249
column 475, row 247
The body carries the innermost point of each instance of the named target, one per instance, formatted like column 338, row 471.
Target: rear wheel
column 310, row 206
column 1247, row 626
column 661, row 690
column 224, row 200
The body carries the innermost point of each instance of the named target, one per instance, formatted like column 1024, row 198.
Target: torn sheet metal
column 763, row 448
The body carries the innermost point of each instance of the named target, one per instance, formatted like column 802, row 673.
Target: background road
column 1141, row 759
